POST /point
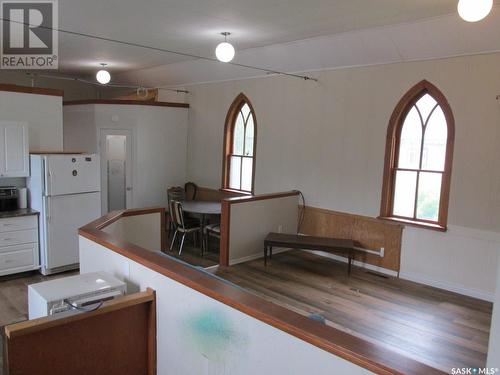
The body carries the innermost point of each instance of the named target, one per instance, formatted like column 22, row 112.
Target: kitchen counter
column 18, row 213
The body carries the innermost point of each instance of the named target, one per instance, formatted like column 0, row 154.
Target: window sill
column 235, row 191
column 413, row 223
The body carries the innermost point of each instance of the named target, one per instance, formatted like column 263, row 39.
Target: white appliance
column 65, row 189
column 81, row 292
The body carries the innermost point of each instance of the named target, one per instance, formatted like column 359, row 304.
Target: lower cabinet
column 19, row 251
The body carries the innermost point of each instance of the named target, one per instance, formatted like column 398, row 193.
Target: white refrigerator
column 65, row 189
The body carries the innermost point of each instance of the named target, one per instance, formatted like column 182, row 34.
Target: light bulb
column 224, row 52
column 103, row 76
column 474, row 10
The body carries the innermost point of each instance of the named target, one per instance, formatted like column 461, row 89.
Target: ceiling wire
column 164, row 50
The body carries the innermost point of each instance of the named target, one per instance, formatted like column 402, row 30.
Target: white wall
column 199, row 335
column 142, row 230
column 328, row 140
column 494, row 347
column 159, row 149
column 43, row 113
column 251, row 221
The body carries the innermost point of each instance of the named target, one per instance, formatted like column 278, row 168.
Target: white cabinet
column 14, row 149
column 19, row 244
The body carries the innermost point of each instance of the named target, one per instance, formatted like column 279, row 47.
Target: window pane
column 245, row 111
column 436, row 133
column 425, row 105
column 404, row 193
column 239, row 135
column 234, row 172
column 411, row 141
column 246, row 177
column 429, row 193
column 249, row 137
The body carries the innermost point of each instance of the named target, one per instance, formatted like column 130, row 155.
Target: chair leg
column 173, row 241
column 207, row 239
column 182, row 242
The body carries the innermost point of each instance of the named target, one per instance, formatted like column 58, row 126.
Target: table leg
column 202, row 233
column 265, row 255
column 270, row 252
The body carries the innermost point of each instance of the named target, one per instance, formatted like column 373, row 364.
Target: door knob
column 129, row 188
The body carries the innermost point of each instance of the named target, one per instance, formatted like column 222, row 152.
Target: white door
column 72, row 174
column 65, row 214
column 15, row 149
column 116, row 169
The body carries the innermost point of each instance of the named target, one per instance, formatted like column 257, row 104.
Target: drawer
column 18, row 237
column 19, row 258
column 18, row 223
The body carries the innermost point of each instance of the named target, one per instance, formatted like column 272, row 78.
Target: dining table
column 203, row 209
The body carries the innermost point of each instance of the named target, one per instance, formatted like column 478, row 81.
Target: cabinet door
column 14, row 138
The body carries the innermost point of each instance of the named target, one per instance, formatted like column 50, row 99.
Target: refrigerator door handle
column 47, row 210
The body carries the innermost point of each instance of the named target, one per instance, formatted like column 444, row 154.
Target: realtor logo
column 29, row 39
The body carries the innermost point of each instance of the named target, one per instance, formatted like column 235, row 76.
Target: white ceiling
column 438, row 37
column 193, row 26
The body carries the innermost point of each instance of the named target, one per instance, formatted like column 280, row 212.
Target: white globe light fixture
column 103, row 76
column 225, row 51
column 474, row 10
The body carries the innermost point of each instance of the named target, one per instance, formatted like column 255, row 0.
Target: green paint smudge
column 213, row 334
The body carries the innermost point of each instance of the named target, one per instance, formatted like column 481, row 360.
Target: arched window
column 418, row 159
column 240, row 137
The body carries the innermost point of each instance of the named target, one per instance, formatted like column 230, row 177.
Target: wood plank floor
column 192, row 255
column 436, row 327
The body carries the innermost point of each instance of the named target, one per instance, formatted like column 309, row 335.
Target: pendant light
column 103, row 76
column 225, row 51
column 474, row 10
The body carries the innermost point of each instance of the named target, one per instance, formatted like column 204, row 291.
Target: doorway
column 116, row 169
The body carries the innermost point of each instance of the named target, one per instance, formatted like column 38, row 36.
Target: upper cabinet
column 14, row 149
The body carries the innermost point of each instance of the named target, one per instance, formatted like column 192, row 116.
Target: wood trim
column 225, row 229
column 152, row 336
column 126, row 102
column 371, row 356
column 391, row 152
column 30, row 90
column 261, row 197
column 35, row 325
column 231, row 116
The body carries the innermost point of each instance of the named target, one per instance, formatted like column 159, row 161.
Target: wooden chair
column 181, row 225
column 190, row 191
column 211, row 230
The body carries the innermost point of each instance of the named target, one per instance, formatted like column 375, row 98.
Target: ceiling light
column 474, row 10
column 225, row 51
column 103, row 76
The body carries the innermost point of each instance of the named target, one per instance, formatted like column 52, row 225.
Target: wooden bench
column 325, row 244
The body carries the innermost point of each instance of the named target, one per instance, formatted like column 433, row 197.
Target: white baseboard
column 232, row 262
column 357, row 263
column 452, row 287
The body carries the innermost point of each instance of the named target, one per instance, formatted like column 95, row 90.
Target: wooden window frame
column 231, row 118
column 392, row 152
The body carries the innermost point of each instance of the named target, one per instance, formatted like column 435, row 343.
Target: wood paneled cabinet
column 14, row 150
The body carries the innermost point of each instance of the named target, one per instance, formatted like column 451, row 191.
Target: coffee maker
column 8, row 198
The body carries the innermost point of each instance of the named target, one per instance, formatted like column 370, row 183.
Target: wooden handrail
column 371, row 356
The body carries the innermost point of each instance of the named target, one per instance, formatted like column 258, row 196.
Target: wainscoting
column 369, row 232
